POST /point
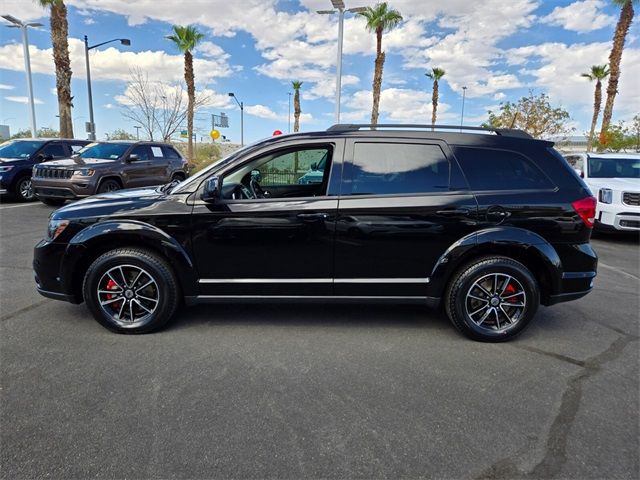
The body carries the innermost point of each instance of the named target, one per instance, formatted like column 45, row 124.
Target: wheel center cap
column 495, row 301
column 128, row 294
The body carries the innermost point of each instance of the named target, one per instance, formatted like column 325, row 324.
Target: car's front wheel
column 131, row 290
column 109, row 185
column 24, row 189
column 492, row 299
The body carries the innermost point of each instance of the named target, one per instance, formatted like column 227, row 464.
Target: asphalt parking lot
column 271, row 391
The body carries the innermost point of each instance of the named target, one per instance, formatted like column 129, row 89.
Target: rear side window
column 488, row 169
column 157, row 152
column 170, row 153
column 397, row 168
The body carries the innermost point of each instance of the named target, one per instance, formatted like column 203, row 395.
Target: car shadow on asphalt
column 329, row 315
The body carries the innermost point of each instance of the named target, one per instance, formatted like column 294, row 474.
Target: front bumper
column 47, row 262
column 70, row 188
column 618, row 216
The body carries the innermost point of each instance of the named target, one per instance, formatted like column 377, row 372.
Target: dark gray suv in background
column 106, row 167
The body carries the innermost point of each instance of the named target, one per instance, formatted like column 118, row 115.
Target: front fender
column 525, row 246
column 121, row 233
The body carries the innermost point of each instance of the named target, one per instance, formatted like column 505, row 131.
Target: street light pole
column 464, row 94
column 137, row 127
column 241, row 105
column 123, row 41
column 340, row 9
column 27, row 64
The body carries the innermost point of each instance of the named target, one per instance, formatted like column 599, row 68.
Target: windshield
column 614, row 167
column 19, row 148
column 190, row 184
column 105, row 151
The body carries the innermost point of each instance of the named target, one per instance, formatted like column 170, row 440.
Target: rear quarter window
column 492, row 169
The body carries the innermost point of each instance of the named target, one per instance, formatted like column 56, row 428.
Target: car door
column 160, row 173
column 403, row 203
column 138, row 172
column 53, row 151
column 280, row 245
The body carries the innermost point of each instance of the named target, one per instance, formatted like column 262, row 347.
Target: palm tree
column 624, row 22
column 59, row 33
column 186, row 39
column 380, row 19
column 436, row 74
column 597, row 73
column 296, row 105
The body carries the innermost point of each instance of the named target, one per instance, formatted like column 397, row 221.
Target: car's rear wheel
column 131, row 290
column 492, row 299
column 24, row 189
column 52, row 202
column 109, row 185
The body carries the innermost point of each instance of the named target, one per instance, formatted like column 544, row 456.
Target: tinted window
column 170, row 153
column 395, row 168
column 143, row 152
column 614, row 167
column 19, row 148
column 488, row 169
column 55, row 150
column 76, row 147
column 105, row 151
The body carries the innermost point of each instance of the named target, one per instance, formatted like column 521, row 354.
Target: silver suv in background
column 105, row 167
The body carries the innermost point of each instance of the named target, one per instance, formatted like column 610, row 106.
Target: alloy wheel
column 128, row 294
column 25, row 189
column 496, row 302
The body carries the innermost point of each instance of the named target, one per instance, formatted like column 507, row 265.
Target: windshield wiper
column 166, row 188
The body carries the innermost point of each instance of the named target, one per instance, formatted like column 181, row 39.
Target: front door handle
column 497, row 213
column 311, row 217
column 451, row 212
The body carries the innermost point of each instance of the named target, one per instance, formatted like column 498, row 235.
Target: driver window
column 288, row 173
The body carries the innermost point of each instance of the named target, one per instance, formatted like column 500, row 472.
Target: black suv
column 105, row 167
column 17, row 158
column 488, row 224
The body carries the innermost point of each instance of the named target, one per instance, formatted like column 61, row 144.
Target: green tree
column 617, row 137
column 296, row 105
column 42, row 133
column 534, row 114
column 59, row 34
column 597, row 73
column 619, row 37
column 120, row 134
column 186, row 39
column 380, row 19
column 435, row 74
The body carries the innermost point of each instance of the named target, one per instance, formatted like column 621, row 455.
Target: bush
column 205, row 155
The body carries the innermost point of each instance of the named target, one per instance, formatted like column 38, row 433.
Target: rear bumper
column 575, row 285
column 56, row 295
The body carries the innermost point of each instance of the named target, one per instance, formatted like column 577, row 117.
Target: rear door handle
column 450, row 212
column 309, row 217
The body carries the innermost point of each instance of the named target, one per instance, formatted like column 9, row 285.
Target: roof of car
column 631, row 155
column 132, row 142
column 50, row 139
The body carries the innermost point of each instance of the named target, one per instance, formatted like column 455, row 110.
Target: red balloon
column 277, row 132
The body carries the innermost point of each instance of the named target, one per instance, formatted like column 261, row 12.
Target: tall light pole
column 241, row 105
column 340, row 9
column 137, row 127
column 27, row 64
column 123, row 41
column 289, row 120
column 464, row 95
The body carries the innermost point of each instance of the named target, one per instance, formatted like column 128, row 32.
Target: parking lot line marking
column 626, row 274
column 18, row 206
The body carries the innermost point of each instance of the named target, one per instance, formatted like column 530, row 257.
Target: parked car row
column 56, row 170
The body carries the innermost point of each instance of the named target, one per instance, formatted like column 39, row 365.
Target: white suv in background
column 614, row 179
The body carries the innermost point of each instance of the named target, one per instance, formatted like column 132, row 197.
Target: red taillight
column 586, row 208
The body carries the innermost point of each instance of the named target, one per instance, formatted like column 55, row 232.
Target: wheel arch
column 526, row 247
column 99, row 238
column 109, row 177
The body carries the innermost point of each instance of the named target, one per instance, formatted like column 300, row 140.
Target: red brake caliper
column 511, row 290
column 111, row 285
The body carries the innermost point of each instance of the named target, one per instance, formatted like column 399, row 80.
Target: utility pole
column 464, row 94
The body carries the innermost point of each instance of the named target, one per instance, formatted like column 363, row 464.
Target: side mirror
column 134, row 157
column 211, row 193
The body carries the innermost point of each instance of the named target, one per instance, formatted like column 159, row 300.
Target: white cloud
column 24, row 10
column 115, row 64
column 6, row 87
column 18, row 99
column 89, row 21
column 262, row 111
column 582, row 16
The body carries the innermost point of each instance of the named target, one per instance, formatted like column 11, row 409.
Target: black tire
column 109, row 185
column 52, row 202
column 474, row 282
column 23, row 189
column 178, row 177
column 114, row 315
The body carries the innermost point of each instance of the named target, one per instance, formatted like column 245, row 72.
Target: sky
column 499, row 50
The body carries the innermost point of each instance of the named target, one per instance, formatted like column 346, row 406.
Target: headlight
column 56, row 227
column 605, row 195
column 6, row 168
column 84, row 172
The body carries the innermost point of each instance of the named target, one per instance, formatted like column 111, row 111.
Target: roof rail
column 353, row 127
